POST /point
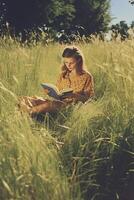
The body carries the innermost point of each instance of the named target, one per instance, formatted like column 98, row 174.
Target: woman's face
column 70, row 63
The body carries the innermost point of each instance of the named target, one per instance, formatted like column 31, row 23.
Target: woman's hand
column 45, row 91
column 75, row 97
column 70, row 98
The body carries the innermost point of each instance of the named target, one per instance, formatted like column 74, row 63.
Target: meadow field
column 85, row 152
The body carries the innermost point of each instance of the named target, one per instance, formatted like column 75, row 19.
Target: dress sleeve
column 88, row 90
column 59, row 82
column 89, row 87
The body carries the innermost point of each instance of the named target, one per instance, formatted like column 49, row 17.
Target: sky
column 122, row 10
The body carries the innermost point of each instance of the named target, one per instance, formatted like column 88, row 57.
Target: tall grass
column 96, row 156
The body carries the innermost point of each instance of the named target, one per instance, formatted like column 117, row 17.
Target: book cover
column 54, row 92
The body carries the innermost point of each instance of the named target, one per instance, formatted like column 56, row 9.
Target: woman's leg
column 48, row 106
column 36, row 105
column 25, row 103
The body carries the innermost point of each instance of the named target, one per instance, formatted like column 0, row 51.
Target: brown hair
column 73, row 52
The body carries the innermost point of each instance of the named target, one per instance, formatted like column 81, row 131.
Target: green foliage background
column 59, row 15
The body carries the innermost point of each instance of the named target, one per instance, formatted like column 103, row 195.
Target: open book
column 55, row 93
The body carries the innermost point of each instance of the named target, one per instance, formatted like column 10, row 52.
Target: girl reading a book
column 73, row 75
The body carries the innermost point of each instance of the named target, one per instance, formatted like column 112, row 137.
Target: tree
column 121, row 28
column 60, row 14
column 26, row 14
column 131, row 1
column 93, row 15
column 132, row 24
column 2, row 15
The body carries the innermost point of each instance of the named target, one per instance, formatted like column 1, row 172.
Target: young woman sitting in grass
column 73, row 75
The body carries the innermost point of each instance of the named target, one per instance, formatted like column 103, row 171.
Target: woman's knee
column 47, row 106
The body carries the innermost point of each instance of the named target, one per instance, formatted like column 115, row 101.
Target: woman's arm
column 89, row 87
column 88, row 90
column 59, row 82
column 84, row 95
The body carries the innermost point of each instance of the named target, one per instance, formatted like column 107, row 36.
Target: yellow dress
column 82, row 85
column 83, row 89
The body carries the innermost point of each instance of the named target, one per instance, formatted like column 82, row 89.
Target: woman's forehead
column 70, row 59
